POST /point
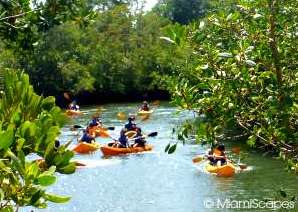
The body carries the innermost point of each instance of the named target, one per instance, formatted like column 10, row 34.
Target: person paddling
column 87, row 137
column 139, row 141
column 128, row 126
column 95, row 122
column 217, row 154
column 73, row 106
column 145, row 106
column 122, row 140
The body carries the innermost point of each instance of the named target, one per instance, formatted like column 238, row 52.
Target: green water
column 155, row 181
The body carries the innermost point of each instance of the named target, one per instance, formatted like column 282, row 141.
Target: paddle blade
column 77, row 126
column 242, row 166
column 236, row 150
column 121, row 116
column 152, row 134
column 197, row 159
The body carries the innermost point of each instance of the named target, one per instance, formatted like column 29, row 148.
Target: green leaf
column 1, row 195
column 7, row 138
column 172, row 149
column 251, row 141
column 69, row 169
column 46, row 180
column 36, row 196
column 167, row 147
column 7, row 209
column 56, row 198
column 283, row 193
column 48, row 103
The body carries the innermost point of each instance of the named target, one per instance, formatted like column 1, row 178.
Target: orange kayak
column 99, row 132
column 73, row 112
column 110, row 151
column 85, row 148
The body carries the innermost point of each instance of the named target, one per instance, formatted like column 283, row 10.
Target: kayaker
column 73, row 106
column 87, row 137
column 217, row 154
column 128, row 126
column 95, row 122
column 122, row 140
column 139, row 141
column 145, row 106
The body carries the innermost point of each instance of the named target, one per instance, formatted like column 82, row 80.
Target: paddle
column 198, row 158
column 152, row 134
column 79, row 126
column 237, row 151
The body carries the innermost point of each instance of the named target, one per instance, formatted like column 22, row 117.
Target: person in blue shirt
column 140, row 141
column 123, row 141
column 128, row 126
column 87, row 137
column 96, row 121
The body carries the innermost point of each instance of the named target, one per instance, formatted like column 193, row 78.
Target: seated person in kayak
column 139, row 141
column 122, row 140
column 87, row 137
column 95, row 122
column 217, row 154
column 73, row 106
column 145, row 106
column 128, row 126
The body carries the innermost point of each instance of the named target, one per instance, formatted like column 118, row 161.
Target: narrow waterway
column 155, row 181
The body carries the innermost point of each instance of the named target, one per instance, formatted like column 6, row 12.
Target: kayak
column 143, row 112
column 85, row 148
column 227, row 170
column 99, row 132
column 73, row 112
column 110, row 151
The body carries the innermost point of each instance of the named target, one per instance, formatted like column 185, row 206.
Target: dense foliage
column 239, row 74
column 181, row 11
column 29, row 124
column 75, row 46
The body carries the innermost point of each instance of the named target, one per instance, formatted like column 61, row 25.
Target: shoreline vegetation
column 234, row 63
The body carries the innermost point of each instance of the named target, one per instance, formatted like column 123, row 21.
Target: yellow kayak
column 227, row 170
column 143, row 112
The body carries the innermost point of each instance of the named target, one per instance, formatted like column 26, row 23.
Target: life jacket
column 128, row 126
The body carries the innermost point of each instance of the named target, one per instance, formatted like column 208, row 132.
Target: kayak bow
column 85, row 148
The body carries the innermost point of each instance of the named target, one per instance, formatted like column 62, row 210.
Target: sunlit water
column 155, row 181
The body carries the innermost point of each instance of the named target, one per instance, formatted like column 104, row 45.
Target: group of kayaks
column 86, row 148
column 226, row 170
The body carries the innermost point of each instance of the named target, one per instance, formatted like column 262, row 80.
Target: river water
column 155, row 181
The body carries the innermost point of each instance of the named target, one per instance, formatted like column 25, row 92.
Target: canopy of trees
column 239, row 72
